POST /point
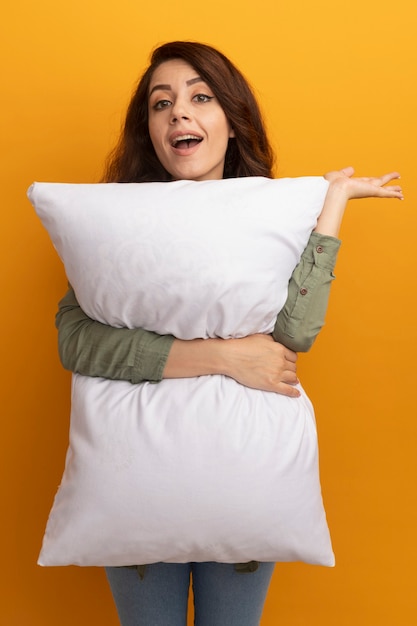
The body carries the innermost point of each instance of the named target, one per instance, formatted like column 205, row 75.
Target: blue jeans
column 222, row 596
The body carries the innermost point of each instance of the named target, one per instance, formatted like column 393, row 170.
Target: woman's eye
column 202, row 97
column 161, row 104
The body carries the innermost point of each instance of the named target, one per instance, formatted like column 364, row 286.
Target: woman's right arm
column 94, row 349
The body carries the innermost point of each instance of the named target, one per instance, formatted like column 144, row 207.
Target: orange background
column 338, row 87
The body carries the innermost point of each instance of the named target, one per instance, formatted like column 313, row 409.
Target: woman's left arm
column 303, row 314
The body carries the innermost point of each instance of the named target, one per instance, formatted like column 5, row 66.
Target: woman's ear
column 231, row 133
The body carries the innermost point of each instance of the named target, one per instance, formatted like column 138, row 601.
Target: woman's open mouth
column 185, row 142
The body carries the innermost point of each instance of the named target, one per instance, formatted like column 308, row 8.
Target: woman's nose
column 179, row 111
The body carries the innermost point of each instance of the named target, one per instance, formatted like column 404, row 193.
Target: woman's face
column 188, row 128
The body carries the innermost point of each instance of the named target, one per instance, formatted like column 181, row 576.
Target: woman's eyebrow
column 162, row 87
column 193, row 80
column 190, row 82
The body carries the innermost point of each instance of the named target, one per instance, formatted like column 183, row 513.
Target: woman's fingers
column 289, row 355
column 386, row 178
column 348, row 171
column 287, row 390
column 364, row 186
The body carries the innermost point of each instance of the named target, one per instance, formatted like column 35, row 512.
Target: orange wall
column 338, row 86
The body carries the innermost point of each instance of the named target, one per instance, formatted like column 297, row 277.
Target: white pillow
column 197, row 469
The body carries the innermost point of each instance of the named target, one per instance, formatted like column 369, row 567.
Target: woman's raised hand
column 343, row 186
column 364, row 187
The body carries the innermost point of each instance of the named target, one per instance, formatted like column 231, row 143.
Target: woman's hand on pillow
column 261, row 363
column 256, row 361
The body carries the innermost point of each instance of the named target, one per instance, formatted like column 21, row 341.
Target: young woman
column 193, row 116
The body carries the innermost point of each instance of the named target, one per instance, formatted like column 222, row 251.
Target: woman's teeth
column 190, row 140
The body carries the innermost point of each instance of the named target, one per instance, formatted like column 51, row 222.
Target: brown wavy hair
column 248, row 154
